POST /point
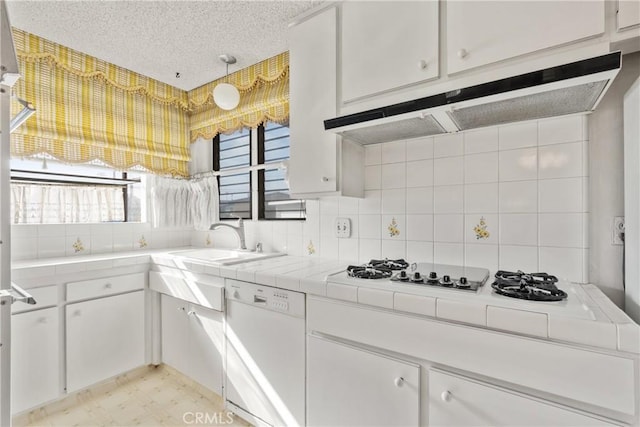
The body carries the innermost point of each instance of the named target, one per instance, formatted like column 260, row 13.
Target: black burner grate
column 369, row 272
column 533, row 286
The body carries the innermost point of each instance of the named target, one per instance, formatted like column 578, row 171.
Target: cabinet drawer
column 105, row 286
column 456, row 400
column 44, row 296
column 207, row 292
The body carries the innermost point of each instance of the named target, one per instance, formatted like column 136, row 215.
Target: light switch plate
column 343, row 228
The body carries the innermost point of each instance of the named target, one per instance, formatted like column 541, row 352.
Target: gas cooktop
column 426, row 274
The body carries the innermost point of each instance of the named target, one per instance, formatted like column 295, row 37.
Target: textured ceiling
column 159, row 38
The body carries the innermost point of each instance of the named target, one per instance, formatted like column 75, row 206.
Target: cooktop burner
column 392, row 264
column 369, row 272
column 533, row 286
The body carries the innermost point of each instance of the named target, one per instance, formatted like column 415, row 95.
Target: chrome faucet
column 238, row 229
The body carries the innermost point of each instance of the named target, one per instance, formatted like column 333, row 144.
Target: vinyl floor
column 150, row 396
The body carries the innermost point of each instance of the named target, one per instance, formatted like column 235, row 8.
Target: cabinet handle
column 325, row 179
column 191, row 313
column 108, row 285
column 180, row 308
column 77, row 313
column 422, row 64
column 43, row 320
column 462, row 53
column 398, row 381
column 446, row 396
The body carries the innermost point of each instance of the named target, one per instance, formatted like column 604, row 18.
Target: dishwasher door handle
column 257, row 299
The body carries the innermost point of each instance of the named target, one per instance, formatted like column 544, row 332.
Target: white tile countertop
column 587, row 317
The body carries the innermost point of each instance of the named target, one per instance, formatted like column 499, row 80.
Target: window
column 48, row 192
column 234, row 152
column 254, row 184
column 273, row 189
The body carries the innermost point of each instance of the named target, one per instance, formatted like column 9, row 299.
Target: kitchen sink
column 225, row 256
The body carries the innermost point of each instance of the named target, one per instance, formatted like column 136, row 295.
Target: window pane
column 277, row 202
column 55, row 192
column 235, row 190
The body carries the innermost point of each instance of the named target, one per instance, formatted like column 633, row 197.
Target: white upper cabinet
column 387, row 45
column 485, row 32
column 321, row 164
column 628, row 14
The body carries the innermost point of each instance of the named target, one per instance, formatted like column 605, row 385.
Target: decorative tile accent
column 207, row 240
column 310, row 248
column 142, row 242
column 481, row 230
column 393, row 228
column 78, row 246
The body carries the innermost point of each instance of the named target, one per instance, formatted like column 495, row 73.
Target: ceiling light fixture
column 225, row 95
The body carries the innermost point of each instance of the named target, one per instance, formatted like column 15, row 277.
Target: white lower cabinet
column 35, row 356
column 105, row 337
column 348, row 386
column 458, row 401
column 192, row 338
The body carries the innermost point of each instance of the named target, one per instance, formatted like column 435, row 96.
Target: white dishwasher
column 265, row 333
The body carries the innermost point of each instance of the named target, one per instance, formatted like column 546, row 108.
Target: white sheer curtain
column 49, row 204
column 184, row 203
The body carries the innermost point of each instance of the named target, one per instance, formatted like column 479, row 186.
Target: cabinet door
column 312, row 89
column 35, row 356
column 387, row 45
column 628, row 14
column 349, row 386
column 105, row 337
column 205, row 347
column 456, row 401
column 484, row 32
column 175, row 333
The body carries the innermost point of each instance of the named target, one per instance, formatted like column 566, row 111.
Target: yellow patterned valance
column 89, row 109
column 264, row 95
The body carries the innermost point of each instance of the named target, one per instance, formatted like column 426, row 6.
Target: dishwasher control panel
column 267, row 297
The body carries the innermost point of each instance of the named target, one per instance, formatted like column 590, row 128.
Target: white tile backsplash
column 481, row 140
column 420, row 173
column 420, row 200
column 394, row 152
column 448, row 253
column 424, row 200
column 448, row 145
column 562, row 129
column 518, row 135
column 481, row 168
column 518, row 165
column 448, row 171
column 480, row 198
column 372, row 154
column 448, row 199
column 419, row 149
column 519, row 229
column 518, row 197
column 562, row 160
column 561, row 195
column 394, row 175
column 394, row 201
column 448, row 228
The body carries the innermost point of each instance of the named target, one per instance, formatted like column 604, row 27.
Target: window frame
column 256, row 170
column 247, row 169
column 34, row 177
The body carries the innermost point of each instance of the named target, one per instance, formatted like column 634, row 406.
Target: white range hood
column 566, row 89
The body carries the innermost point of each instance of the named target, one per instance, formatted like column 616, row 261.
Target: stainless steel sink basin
column 225, row 256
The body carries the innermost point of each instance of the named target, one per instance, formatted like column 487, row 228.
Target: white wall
column 31, row 241
column 528, row 181
column 607, row 181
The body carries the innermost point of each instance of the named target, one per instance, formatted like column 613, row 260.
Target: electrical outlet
column 343, row 228
column 618, row 231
